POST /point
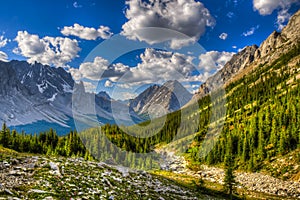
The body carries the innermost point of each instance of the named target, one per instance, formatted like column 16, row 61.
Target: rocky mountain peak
column 292, row 29
column 9, row 81
column 171, row 96
column 237, row 63
column 172, row 84
column 277, row 44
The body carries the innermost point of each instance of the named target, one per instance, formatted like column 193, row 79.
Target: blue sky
column 63, row 33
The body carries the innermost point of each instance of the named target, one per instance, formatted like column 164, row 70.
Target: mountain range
column 34, row 97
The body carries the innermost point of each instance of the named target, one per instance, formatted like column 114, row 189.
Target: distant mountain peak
column 172, row 84
column 171, row 96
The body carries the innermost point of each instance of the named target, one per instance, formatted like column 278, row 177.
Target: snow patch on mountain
column 53, row 97
column 42, row 87
column 67, row 88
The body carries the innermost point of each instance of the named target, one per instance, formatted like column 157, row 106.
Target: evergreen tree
column 5, row 136
column 229, row 178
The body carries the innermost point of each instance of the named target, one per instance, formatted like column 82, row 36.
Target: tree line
column 48, row 143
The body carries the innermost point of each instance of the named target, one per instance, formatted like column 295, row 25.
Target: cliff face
column 238, row 63
column 277, row 44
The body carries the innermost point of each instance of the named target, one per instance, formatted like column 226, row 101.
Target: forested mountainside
column 47, row 143
column 262, row 111
column 262, row 120
column 251, row 57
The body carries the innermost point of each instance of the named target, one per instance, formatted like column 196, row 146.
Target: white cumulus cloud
column 127, row 95
column 87, row 33
column 156, row 66
column 94, row 70
column 160, row 66
column 223, row 36
column 98, row 69
column 77, row 5
column 201, row 77
column 56, row 51
column 77, row 76
column 282, row 17
column 211, row 62
column 3, row 56
column 3, row 41
column 89, row 87
column 214, row 60
column 266, row 7
column 185, row 16
column 251, row 31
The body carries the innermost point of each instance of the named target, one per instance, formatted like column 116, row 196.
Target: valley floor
column 258, row 185
column 26, row 176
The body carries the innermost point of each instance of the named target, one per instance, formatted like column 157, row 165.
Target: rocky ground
column 37, row 177
column 257, row 182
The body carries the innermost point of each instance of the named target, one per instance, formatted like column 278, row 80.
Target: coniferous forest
column 262, row 120
column 47, row 143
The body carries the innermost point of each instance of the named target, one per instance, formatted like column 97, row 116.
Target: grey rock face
column 28, row 92
column 279, row 43
column 171, row 96
column 34, row 92
column 38, row 78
